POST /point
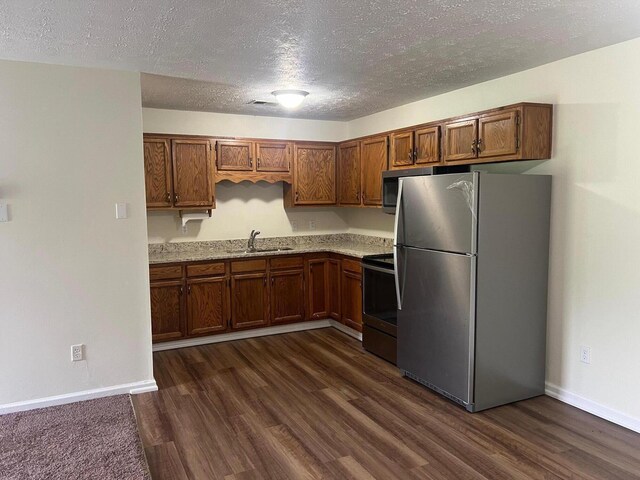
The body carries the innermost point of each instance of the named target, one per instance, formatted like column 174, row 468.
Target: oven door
column 379, row 303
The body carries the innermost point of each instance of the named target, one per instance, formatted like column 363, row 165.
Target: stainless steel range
column 379, row 306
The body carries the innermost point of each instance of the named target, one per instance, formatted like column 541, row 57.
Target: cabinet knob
column 189, row 289
column 176, row 198
column 168, row 197
column 410, row 155
column 473, row 147
column 478, row 143
column 297, row 196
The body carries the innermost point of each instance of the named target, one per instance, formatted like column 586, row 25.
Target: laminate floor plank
column 314, row 405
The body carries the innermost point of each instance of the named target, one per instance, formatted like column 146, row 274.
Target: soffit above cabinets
column 355, row 58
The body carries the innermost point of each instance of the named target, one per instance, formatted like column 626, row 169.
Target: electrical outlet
column 585, row 354
column 312, row 224
column 77, row 352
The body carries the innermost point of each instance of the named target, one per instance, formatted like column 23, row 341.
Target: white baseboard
column 592, row 407
column 241, row 335
column 132, row 388
column 344, row 329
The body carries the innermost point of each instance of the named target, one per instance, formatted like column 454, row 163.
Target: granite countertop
column 342, row 243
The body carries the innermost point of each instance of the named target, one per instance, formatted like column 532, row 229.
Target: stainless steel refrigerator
column 471, row 264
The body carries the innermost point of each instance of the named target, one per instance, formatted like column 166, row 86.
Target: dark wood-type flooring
column 313, row 405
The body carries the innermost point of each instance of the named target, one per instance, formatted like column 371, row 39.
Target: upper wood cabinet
column 401, row 151
column 518, row 132
column 234, row 155
column 178, row 173
column 460, row 140
column 427, row 149
column 314, row 175
column 498, row 134
column 253, row 160
column 273, row 156
column 374, row 161
column 360, row 171
column 157, row 172
column 192, row 179
column 349, row 171
column 417, row 147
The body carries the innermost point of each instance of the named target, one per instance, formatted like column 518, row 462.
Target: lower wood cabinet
column 318, row 293
column 249, row 300
column 207, row 309
column 207, row 298
column 351, row 283
column 167, row 310
column 334, row 306
column 287, row 296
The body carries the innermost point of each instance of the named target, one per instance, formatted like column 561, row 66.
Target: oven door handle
column 390, row 271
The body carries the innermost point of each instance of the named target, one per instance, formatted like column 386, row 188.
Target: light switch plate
column 4, row 212
column 121, row 211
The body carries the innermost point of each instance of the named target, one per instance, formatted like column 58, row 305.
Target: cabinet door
column 460, row 140
column 427, row 145
column 498, row 134
column 401, row 149
column 234, row 155
column 334, row 306
column 192, row 176
column 206, row 307
column 374, row 162
column 317, row 275
column 157, row 172
column 273, row 156
column 352, row 300
column 349, row 174
column 249, row 300
column 167, row 310
column 315, row 175
column 287, row 296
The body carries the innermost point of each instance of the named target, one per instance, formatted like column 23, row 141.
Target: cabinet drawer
column 351, row 265
column 248, row 265
column 165, row 273
column 286, row 262
column 205, row 269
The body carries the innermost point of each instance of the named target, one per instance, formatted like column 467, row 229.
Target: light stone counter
column 342, row 243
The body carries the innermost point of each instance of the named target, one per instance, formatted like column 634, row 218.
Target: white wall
column 245, row 206
column 71, row 273
column 594, row 281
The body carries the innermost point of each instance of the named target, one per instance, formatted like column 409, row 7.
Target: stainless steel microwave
column 390, row 181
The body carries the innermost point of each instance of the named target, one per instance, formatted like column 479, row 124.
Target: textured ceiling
column 355, row 57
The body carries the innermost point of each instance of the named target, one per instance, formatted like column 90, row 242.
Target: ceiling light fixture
column 290, row 98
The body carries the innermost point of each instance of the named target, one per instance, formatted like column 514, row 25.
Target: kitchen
column 424, row 269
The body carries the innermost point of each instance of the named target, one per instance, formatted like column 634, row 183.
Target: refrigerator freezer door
column 435, row 325
column 438, row 212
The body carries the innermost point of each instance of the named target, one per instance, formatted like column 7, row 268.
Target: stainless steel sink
column 261, row 250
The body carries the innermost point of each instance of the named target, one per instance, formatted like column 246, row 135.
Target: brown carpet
column 96, row 439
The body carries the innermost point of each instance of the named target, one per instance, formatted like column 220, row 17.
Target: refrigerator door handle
column 396, row 242
column 396, row 274
column 397, row 228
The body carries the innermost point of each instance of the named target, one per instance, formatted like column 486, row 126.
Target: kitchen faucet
column 251, row 244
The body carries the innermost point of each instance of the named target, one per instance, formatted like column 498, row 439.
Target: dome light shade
column 290, row 98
